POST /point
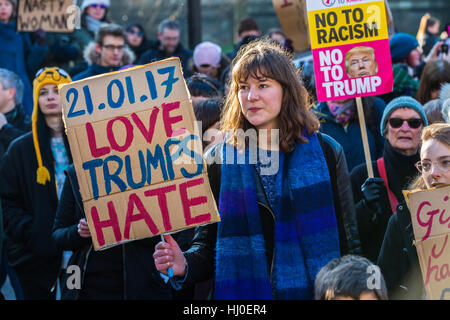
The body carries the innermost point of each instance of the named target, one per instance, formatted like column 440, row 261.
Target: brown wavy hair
column 263, row 59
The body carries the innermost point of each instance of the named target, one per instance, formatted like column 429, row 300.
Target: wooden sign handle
column 362, row 124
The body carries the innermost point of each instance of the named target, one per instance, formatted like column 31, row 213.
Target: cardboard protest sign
column 430, row 216
column 293, row 20
column 350, row 48
column 48, row 15
column 434, row 259
column 137, row 153
column 430, row 212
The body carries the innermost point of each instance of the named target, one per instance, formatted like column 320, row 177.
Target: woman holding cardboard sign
column 398, row 258
column 283, row 215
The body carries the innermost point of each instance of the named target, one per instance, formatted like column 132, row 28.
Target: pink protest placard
column 350, row 48
column 354, row 70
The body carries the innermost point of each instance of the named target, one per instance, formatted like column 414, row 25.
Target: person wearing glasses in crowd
column 137, row 40
column 168, row 45
column 31, row 180
column 376, row 198
column 94, row 14
column 108, row 53
column 398, row 258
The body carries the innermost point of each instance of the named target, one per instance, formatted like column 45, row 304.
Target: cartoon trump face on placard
column 360, row 62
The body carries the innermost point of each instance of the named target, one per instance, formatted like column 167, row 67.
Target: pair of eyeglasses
column 139, row 33
column 413, row 123
column 98, row 5
column 113, row 47
column 42, row 73
column 425, row 166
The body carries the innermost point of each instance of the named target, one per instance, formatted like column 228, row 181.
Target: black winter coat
column 398, row 258
column 200, row 257
column 18, row 124
column 141, row 280
column 29, row 208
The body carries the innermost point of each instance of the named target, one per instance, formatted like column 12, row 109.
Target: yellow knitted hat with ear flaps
column 44, row 76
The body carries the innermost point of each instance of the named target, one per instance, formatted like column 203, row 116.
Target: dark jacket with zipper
column 133, row 261
column 200, row 257
column 29, row 207
column 398, row 258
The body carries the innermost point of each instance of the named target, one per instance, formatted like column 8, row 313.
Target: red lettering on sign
column 112, row 222
column 187, row 203
column 442, row 271
column 286, row 4
column 169, row 121
column 95, row 151
column 112, row 139
column 148, row 134
column 134, row 201
column 429, row 223
column 162, row 201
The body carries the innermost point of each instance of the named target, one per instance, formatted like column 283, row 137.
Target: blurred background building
column 220, row 18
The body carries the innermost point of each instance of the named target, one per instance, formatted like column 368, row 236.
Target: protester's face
column 49, row 101
column 96, row 11
column 278, row 37
column 209, row 70
column 434, row 94
column 169, row 39
column 413, row 58
column 432, row 152
column 6, row 9
column 260, row 101
column 135, row 37
column 246, row 33
column 361, row 64
column 404, row 139
column 434, row 29
column 111, row 51
column 6, row 97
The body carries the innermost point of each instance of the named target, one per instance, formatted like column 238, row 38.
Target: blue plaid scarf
column 306, row 236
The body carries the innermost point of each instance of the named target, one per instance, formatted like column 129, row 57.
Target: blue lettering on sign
column 148, row 162
column 88, row 99
column 128, row 90
column 170, row 80
column 153, row 160
column 91, row 165
column 115, row 176
column 120, row 99
column 151, row 85
column 129, row 171
column 71, row 114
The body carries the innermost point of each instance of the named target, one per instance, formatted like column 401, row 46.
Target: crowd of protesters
column 310, row 230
